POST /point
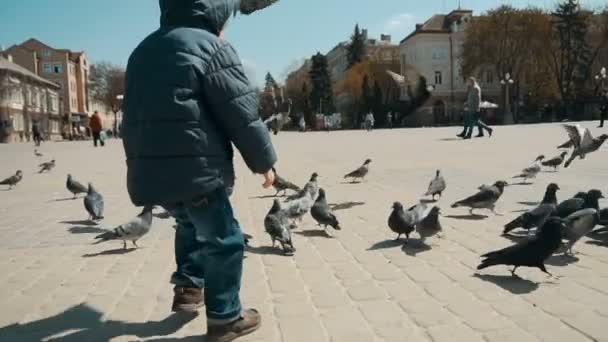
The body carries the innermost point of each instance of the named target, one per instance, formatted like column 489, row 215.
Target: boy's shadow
column 83, row 323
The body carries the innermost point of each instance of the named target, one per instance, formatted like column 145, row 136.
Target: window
column 47, row 68
column 57, row 68
column 489, row 77
column 46, row 53
column 18, row 124
column 438, row 77
column 439, row 53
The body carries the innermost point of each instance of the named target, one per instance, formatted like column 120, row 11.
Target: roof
column 5, row 64
column 439, row 23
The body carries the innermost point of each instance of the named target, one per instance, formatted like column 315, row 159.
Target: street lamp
column 507, row 82
column 601, row 78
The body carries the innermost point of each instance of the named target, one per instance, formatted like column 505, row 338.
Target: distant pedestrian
column 302, row 124
column 604, row 109
column 96, row 128
column 36, row 133
column 369, row 121
column 389, row 120
column 472, row 116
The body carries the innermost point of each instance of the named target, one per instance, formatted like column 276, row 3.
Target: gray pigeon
column 583, row 142
column 75, row 187
column 486, row 198
column 282, row 185
column 297, row 208
column 321, row 212
column 430, row 225
column 13, row 180
column 361, row 172
column 93, row 203
column 37, row 153
column 132, row 231
column 437, row 186
column 532, row 171
column 311, row 188
column 555, row 162
column 537, row 216
column 583, row 221
column 402, row 222
column 277, row 226
column 48, row 166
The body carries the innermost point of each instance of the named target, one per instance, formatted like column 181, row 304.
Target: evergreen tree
column 271, row 84
column 321, row 95
column 356, row 48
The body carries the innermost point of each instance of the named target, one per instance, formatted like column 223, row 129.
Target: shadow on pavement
column 520, row 211
column 345, row 205
column 427, row 201
column 513, row 284
column 387, row 244
column 531, row 204
column 65, row 199
column 561, row 260
column 86, row 230
column 83, row 323
column 521, row 183
column 120, row 251
column 352, row 183
column 88, row 223
column 467, row 217
column 314, row 233
column 414, row 247
column 266, row 196
column 264, row 250
column 516, row 237
column 450, row 139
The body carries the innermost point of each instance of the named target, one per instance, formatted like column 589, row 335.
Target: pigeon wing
column 575, row 132
column 587, row 139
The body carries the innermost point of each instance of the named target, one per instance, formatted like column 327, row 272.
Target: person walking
column 36, row 132
column 96, row 127
column 472, row 111
column 604, row 109
column 389, row 120
column 187, row 101
column 369, row 121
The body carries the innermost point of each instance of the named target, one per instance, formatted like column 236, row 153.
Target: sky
column 276, row 39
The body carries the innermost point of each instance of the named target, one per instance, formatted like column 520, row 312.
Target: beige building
column 26, row 98
column 106, row 113
column 433, row 49
column 69, row 69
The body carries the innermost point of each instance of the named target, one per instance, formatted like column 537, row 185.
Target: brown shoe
column 248, row 323
column 187, row 299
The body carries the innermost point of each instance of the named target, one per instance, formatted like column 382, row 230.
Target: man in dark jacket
column 603, row 109
column 187, row 100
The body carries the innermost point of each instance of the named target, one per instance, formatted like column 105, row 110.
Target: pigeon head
column 313, row 177
column 367, row 161
column 501, row 184
column 540, row 158
column 552, row 187
column 147, row 209
column 438, row 173
column 397, row 206
column 69, row 176
column 564, row 154
column 595, row 194
column 90, row 189
column 435, row 211
column 321, row 194
column 276, row 206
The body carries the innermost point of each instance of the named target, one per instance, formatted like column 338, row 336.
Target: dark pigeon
column 75, row 187
column 555, row 162
column 361, row 172
column 277, row 226
column 430, row 225
column 571, row 205
column 13, row 180
column 531, row 252
column 321, row 212
column 537, row 216
column 486, row 198
column 93, row 203
column 402, row 222
column 47, row 167
column 130, row 231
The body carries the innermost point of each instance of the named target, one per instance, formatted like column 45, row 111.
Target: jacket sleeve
column 233, row 104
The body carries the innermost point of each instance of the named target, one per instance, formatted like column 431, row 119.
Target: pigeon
column 282, row 185
column 277, row 226
column 430, row 225
column 48, row 166
column 486, row 198
column 437, row 186
column 571, row 205
column 311, row 188
column 132, row 231
column 583, row 142
column 583, row 221
column 532, row 171
column 93, row 203
column 401, row 221
column 604, row 217
column 249, row 6
column 321, row 212
column 297, row 208
column 361, row 172
column 37, row 153
column 537, row 216
column 75, row 187
column 531, row 252
column 555, row 162
column 13, row 180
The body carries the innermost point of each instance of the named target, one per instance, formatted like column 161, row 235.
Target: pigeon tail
column 518, row 222
column 107, row 236
column 487, row 263
column 457, row 204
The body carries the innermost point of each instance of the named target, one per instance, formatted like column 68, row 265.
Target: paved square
column 359, row 286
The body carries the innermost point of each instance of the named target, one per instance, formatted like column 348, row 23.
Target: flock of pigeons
column 555, row 222
column 93, row 202
column 558, row 224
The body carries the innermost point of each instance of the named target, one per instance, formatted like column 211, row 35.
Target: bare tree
column 106, row 84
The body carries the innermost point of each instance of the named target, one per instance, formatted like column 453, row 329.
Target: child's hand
column 268, row 179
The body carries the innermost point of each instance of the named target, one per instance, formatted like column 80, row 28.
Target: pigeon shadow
column 65, row 199
column 513, row 284
column 467, row 217
column 599, row 236
column 521, row 183
column 449, row 139
column 531, row 204
column 265, row 197
column 561, row 260
column 162, row 216
column 80, row 223
column 427, row 201
column 86, row 230
column 6, row 189
column 352, row 183
column 386, row 244
column 120, row 251
column 264, row 250
column 516, row 237
column 83, row 323
column 520, row 211
column 345, row 205
column 549, row 171
column 414, row 247
column 314, row 233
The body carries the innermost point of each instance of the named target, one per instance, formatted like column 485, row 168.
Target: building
column 69, row 69
column 106, row 113
column 433, row 49
column 26, row 98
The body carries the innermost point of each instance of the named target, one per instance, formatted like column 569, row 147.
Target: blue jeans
column 209, row 249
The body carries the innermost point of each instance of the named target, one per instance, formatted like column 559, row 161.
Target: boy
column 187, row 99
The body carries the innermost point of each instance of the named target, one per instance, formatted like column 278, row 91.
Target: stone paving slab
column 358, row 286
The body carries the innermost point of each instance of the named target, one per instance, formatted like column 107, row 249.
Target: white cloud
column 400, row 23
